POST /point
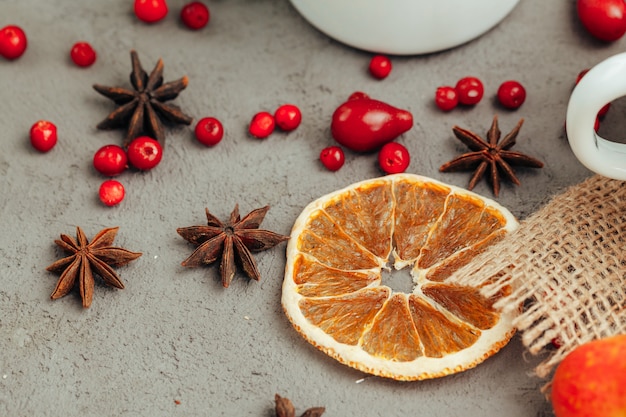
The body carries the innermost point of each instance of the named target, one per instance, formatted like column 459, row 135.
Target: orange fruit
column 335, row 296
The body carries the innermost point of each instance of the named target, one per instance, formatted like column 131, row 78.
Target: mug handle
column 602, row 84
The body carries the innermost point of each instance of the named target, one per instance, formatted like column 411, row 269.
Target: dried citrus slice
column 335, row 296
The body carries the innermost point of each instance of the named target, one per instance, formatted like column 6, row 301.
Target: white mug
column 602, row 84
column 404, row 27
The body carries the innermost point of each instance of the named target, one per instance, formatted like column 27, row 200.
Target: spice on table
column 285, row 408
column 144, row 108
column 88, row 259
column 491, row 154
column 234, row 240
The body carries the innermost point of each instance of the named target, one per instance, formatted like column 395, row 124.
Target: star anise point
column 87, row 259
column 490, row 156
column 232, row 241
column 143, row 107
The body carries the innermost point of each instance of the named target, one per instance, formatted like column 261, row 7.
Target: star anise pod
column 143, row 107
column 491, row 154
column 88, row 259
column 285, row 408
column 233, row 240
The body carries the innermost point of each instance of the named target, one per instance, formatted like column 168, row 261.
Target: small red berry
column 603, row 19
column 195, row 15
column 288, row 117
column 150, row 11
column 111, row 192
column 380, row 66
column 43, row 135
column 470, row 90
column 13, row 42
column 446, row 98
column 332, row 158
column 209, row 131
column 144, row 153
column 511, row 94
column 393, row 158
column 110, row 160
column 83, row 54
column 262, row 125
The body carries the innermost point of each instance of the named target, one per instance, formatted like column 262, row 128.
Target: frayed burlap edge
column 566, row 265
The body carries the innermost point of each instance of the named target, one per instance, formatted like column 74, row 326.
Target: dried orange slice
column 336, row 298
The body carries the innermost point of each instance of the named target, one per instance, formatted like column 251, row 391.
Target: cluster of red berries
column 287, row 117
column 194, row 15
column 469, row 91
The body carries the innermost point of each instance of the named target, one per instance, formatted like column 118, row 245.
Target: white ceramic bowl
column 404, row 27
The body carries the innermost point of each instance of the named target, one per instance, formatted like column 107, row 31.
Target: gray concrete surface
column 174, row 334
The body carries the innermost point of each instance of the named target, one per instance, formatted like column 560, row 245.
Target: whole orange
column 591, row 380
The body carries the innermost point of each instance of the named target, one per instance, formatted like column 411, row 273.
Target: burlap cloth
column 567, row 267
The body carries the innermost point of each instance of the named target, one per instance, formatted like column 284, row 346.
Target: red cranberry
column 209, row 131
column 288, row 117
column 393, row 158
column 144, row 153
column 262, row 125
column 511, row 94
column 13, row 42
column 111, row 192
column 195, row 15
column 357, row 95
column 446, row 98
column 110, row 160
column 150, row 11
column 380, row 66
column 332, row 158
column 470, row 90
column 43, row 135
column 603, row 19
column 83, row 54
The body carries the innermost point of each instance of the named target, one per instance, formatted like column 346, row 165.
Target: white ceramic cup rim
column 601, row 85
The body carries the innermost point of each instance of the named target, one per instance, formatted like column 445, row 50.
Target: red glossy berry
column 603, row 19
column 357, row 95
column 262, row 125
column 150, row 11
column 470, row 90
column 393, row 158
column 288, row 117
column 13, row 42
column 380, row 66
column 446, row 98
column 111, row 192
column 209, row 131
column 604, row 110
column 43, row 135
column 144, row 153
column 332, row 158
column 83, row 54
column 511, row 94
column 110, row 160
column 195, row 15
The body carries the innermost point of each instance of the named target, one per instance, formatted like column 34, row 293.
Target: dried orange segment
column 440, row 335
column 345, row 318
column 392, row 335
column 464, row 222
column 366, row 215
column 335, row 295
column 318, row 280
column 323, row 240
column 418, row 207
column 464, row 302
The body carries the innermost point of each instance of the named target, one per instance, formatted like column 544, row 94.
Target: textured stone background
column 175, row 334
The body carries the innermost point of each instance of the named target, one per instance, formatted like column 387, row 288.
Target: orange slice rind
column 334, row 295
